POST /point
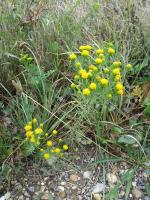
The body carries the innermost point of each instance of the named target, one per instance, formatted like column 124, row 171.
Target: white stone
column 7, row 195
column 87, row 174
column 112, row 178
column 99, row 187
column 61, row 188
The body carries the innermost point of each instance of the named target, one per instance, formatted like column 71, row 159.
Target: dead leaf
column 17, row 86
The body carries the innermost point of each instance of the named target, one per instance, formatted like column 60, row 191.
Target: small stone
column 44, row 196
column 74, row 177
column 31, row 189
column 112, row 178
column 137, row 193
column 99, row 187
column 134, row 184
column 74, row 187
column 97, row 196
column 87, row 174
column 42, row 183
column 62, row 194
column 63, row 183
column 7, row 195
column 2, row 198
column 61, row 188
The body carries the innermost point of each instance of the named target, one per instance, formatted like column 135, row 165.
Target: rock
column 63, row 183
column 62, row 194
column 134, row 184
column 74, row 187
column 97, row 196
column 99, row 187
column 31, row 189
column 74, row 177
column 44, row 196
column 112, row 178
column 87, row 174
column 7, row 195
column 61, row 188
column 137, row 193
column 2, row 198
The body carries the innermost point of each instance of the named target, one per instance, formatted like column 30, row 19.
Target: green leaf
column 127, row 139
column 148, row 189
column 27, row 148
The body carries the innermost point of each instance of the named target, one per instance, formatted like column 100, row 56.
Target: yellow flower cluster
column 97, row 71
column 35, row 134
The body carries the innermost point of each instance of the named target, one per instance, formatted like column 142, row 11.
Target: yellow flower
column 99, row 51
column 81, row 71
column 76, row 77
column 98, row 78
column 28, row 127
column 34, row 120
column 128, row 66
column 109, row 96
column 57, row 150
column 85, row 53
column 46, row 134
column 32, row 139
column 65, row 147
column 84, row 75
column 29, row 134
column 98, row 61
column 78, row 64
column 106, row 70
column 41, row 150
column 93, row 86
column 111, row 51
column 55, row 132
column 29, row 123
column 49, row 143
column 86, row 91
column 116, row 71
column 46, row 156
column 93, row 67
column 120, row 92
column 90, row 73
column 38, row 131
column 52, row 151
column 88, row 47
column 104, row 81
column 119, row 86
column 118, row 77
column 101, row 56
column 73, row 56
column 72, row 85
column 117, row 64
column 81, row 48
column 59, row 140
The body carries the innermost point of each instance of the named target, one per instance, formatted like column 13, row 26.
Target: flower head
column 104, row 81
column 98, row 61
column 86, row 91
column 34, row 120
column 49, row 143
column 73, row 56
column 111, row 51
column 85, row 53
column 55, row 132
column 128, row 66
column 29, row 134
column 72, row 85
column 76, row 77
column 57, row 150
column 117, row 64
column 119, row 86
column 106, row 70
column 84, row 75
column 28, row 127
column 38, row 131
column 109, row 96
column 46, row 156
column 117, row 77
column 116, row 71
column 99, row 51
column 78, row 64
column 120, row 92
column 65, row 147
column 92, row 86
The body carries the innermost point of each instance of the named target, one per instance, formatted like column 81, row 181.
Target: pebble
column 87, row 174
column 97, row 196
column 134, row 184
column 7, row 195
column 137, row 193
column 44, row 196
column 62, row 194
column 63, row 183
column 112, row 178
column 61, row 188
column 74, row 177
column 31, row 189
column 99, row 187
